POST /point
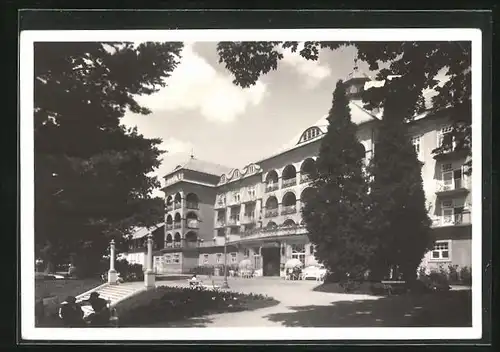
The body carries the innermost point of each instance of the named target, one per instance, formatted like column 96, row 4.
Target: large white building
column 256, row 209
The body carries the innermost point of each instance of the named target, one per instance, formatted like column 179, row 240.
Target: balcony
column 249, row 197
column 451, row 187
column 169, row 226
column 234, row 221
column 289, row 182
column 275, row 232
column 169, row 245
column 177, row 205
column 453, row 220
column 169, row 207
column 220, row 205
column 304, row 178
column 192, row 205
column 191, row 244
column 289, row 209
column 272, row 187
column 269, row 213
column 220, row 223
column 452, row 153
column 192, row 223
column 177, row 244
column 248, row 218
column 177, row 225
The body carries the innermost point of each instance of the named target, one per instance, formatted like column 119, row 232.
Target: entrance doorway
column 270, row 261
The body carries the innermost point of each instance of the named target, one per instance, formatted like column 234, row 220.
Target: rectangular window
column 444, row 133
column 246, row 252
column 416, row 144
column 168, row 259
column 441, row 250
column 177, row 258
column 218, row 258
column 233, row 257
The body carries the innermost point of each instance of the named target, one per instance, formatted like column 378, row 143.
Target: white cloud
column 196, row 85
column 313, row 71
column 175, row 146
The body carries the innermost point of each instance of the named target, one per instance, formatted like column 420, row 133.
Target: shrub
column 453, row 274
column 465, row 275
column 129, row 272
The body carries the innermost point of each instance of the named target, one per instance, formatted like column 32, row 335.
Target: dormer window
column 223, row 178
column 309, row 134
column 236, row 173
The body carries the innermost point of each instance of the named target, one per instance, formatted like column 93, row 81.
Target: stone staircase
column 112, row 293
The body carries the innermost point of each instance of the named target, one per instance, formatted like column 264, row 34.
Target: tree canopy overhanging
column 92, row 174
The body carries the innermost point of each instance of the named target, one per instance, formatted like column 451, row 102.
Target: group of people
column 72, row 315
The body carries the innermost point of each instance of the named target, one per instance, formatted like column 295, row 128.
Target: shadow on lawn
column 447, row 309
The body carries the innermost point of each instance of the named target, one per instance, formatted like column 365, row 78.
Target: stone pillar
column 149, row 275
column 112, row 274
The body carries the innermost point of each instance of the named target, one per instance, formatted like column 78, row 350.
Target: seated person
column 194, row 281
column 71, row 313
column 101, row 314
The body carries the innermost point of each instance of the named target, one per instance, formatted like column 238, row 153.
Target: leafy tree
column 420, row 62
column 398, row 215
column 335, row 213
column 92, row 175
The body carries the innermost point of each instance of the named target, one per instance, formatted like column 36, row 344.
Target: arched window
column 272, row 181
column 192, row 201
column 271, row 225
column 177, row 201
column 289, row 223
column 191, row 239
column 289, row 203
column 307, row 170
column 192, row 220
column 271, row 207
column 289, row 176
column 177, row 221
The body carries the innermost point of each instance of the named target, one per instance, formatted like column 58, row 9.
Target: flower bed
column 176, row 304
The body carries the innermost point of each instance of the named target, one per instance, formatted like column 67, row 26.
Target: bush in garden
column 129, row 272
column 180, row 303
column 465, row 275
column 453, row 274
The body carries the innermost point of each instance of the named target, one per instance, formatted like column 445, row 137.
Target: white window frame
column 440, row 251
column 234, row 257
column 218, row 258
column 451, row 209
column 416, row 141
column 441, row 133
column 168, row 259
column 205, row 259
column 299, row 252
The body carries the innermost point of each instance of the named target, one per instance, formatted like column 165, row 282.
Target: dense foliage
column 336, row 210
column 92, row 174
column 398, row 211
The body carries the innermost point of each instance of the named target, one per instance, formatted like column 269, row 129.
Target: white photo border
column 28, row 329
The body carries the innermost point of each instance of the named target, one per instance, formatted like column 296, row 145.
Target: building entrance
column 270, row 261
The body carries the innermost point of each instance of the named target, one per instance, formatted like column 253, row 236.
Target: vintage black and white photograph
column 251, row 179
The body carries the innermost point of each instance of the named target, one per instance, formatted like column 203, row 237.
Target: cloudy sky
column 201, row 110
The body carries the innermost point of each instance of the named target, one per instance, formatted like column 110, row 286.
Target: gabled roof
column 202, row 166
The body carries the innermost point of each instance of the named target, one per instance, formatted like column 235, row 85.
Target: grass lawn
column 64, row 288
column 174, row 304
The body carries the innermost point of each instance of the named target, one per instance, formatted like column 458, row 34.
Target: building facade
column 256, row 210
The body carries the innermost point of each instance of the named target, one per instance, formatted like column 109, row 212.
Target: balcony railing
column 220, row 223
column 272, row 187
column 455, row 185
column 177, row 205
column 169, row 245
column 456, row 219
column 304, row 178
column 220, row 204
column 290, row 182
column 269, row 213
column 233, row 221
column 277, row 231
column 192, row 205
column 177, row 225
column 192, row 223
column 169, row 226
column 248, row 218
column 169, row 207
column 177, row 244
column 288, row 209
